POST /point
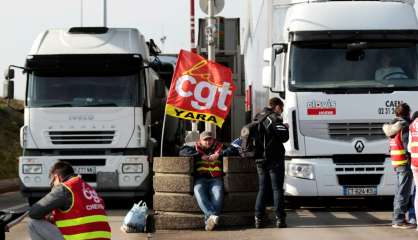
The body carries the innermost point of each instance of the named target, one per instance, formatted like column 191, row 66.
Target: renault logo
column 359, row 146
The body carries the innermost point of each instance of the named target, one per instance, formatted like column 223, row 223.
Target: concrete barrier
column 183, row 165
column 173, row 183
column 240, row 182
column 181, row 221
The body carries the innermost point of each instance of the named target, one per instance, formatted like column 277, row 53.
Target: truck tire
column 173, row 183
column 175, row 202
column 239, row 165
column 241, row 182
column 32, row 200
column 183, row 165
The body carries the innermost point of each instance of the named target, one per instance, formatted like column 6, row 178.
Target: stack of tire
column 175, row 206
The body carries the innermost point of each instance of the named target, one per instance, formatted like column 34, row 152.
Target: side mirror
column 159, row 88
column 266, row 81
column 268, row 55
column 272, row 77
column 9, row 74
column 8, row 89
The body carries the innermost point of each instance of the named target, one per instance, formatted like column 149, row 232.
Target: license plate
column 360, row 191
column 85, row 170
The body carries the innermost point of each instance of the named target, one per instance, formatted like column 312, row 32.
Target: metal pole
column 81, row 13
column 210, row 31
column 104, row 13
column 192, row 45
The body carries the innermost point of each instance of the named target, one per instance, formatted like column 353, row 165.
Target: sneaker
column 403, row 225
column 258, row 222
column 281, row 223
column 412, row 221
column 210, row 223
column 216, row 219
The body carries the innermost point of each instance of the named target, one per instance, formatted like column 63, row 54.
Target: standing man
column 208, row 185
column 72, row 210
column 270, row 161
column 398, row 132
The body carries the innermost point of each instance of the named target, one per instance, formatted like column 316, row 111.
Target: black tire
column 32, row 200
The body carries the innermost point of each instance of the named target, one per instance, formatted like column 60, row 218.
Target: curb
column 9, row 185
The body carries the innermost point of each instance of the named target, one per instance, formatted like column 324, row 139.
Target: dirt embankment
column 10, row 123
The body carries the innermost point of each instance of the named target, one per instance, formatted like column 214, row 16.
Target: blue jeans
column 411, row 210
column 402, row 193
column 276, row 173
column 209, row 193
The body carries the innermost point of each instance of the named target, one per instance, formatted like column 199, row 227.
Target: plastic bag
column 136, row 219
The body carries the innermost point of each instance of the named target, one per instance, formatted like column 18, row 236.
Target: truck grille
column 81, row 137
column 346, row 131
column 359, row 179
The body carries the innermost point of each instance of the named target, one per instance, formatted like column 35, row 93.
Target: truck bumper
column 111, row 175
column 332, row 180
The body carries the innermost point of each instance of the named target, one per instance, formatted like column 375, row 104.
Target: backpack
column 251, row 137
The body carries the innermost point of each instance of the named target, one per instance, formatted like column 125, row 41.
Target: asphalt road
column 306, row 223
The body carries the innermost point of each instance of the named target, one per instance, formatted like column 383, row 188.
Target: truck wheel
column 32, row 200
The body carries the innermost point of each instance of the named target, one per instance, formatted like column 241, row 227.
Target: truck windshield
column 319, row 66
column 83, row 91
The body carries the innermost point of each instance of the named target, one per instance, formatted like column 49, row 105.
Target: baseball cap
column 206, row 134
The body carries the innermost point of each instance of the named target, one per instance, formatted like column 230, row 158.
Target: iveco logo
column 359, row 146
column 86, row 117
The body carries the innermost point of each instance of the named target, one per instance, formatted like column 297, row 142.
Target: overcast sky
column 22, row 20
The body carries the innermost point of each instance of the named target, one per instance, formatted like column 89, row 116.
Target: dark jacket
column 273, row 134
column 59, row 198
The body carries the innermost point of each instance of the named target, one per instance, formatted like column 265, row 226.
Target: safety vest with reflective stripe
column 397, row 151
column 206, row 167
column 413, row 145
column 86, row 218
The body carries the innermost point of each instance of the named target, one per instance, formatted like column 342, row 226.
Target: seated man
column 72, row 210
column 387, row 71
column 208, row 185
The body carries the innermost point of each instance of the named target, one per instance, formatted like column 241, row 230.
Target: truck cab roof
column 90, row 40
column 351, row 15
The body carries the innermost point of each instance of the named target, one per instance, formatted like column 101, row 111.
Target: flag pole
column 211, row 31
column 163, row 130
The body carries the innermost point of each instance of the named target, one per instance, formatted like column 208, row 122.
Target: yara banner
column 201, row 90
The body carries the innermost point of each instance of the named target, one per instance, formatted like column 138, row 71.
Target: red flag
column 201, row 90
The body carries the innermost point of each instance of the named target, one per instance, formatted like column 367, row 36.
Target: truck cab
column 88, row 103
column 328, row 60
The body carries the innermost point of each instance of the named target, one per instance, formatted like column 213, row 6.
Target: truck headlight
column 32, row 168
column 23, row 136
column 132, row 168
column 301, row 171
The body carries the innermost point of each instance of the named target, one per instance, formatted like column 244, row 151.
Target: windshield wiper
column 358, row 91
column 58, row 105
column 101, row 105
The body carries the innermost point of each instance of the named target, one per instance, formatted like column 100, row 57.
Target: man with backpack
column 269, row 156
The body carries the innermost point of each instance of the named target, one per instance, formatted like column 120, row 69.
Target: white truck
column 89, row 98
column 321, row 58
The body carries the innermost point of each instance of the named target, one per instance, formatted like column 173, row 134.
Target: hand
column 205, row 157
column 286, row 124
column 214, row 157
